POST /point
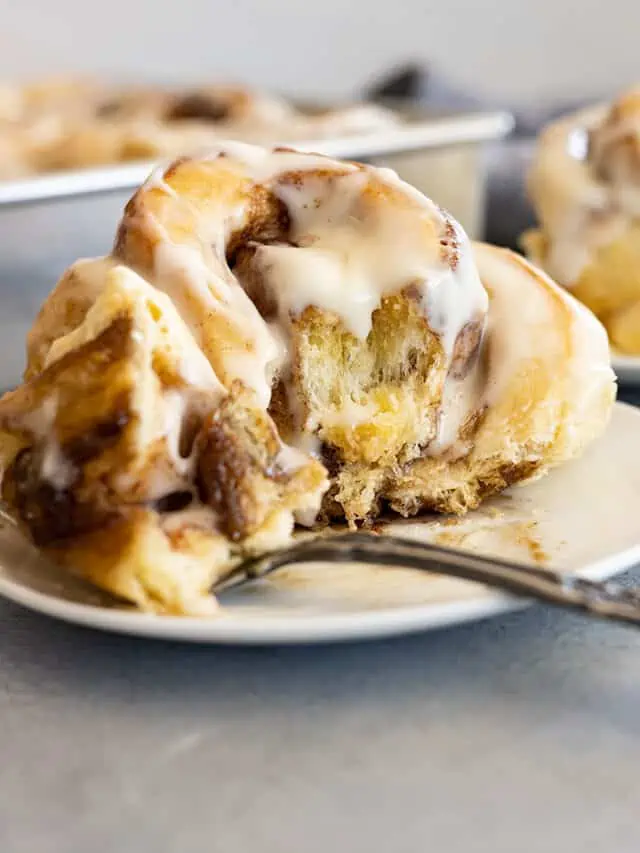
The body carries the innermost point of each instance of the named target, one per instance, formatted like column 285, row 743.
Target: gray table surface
column 516, row 735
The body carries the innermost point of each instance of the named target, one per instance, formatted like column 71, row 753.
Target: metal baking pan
column 48, row 221
column 414, row 136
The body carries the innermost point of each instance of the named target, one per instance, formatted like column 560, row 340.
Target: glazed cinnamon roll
column 585, row 186
column 280, row 336
column 61, row 124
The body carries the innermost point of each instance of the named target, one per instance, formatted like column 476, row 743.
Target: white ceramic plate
column 627, row 368
column 582, row 518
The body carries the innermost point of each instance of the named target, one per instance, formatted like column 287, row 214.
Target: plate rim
column 226, row 629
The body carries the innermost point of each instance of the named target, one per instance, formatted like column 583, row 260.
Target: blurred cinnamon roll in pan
column 63, row 124
column 282, row 337
column 585, row 186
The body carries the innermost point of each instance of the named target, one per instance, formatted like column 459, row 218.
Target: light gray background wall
column 506, row 49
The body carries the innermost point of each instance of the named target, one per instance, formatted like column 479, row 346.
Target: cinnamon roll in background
column 585, row 186
column 282, row 336
column 61, row 124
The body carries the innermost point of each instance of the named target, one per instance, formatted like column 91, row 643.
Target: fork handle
column 605, row 599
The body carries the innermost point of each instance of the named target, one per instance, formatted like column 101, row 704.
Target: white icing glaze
column 456, row 297
column 213, row 290
column 461, row 399
column 175, row 405
column 346, row 259
column 295, row 454
column 289, row 458
column 262, row 165
column 349, row 251
column 156, row 179
column 347, row 248
column 54, row 467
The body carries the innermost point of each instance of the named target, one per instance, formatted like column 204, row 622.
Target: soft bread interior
column 548, row 393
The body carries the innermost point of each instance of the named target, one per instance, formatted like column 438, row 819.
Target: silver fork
column 604, row 599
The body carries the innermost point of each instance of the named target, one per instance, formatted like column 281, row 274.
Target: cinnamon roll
column 585, row 187
column 280, row 336
column 61, row 124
